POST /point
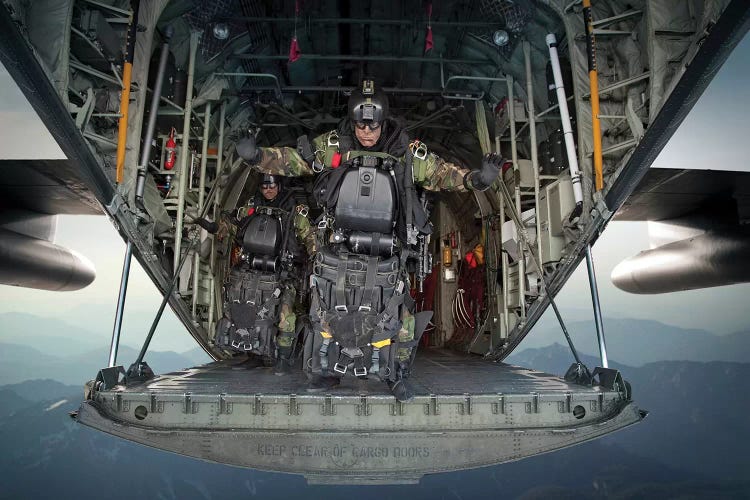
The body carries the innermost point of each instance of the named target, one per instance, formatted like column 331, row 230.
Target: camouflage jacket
column 430, row 171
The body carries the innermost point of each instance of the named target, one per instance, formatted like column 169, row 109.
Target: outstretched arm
column 435, row 174
column 278, row 161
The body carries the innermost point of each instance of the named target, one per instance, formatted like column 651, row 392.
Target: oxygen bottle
column 170, row 148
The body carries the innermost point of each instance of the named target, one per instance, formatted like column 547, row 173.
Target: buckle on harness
column 340, row 369
column 333, row 139
column 341, row 308
column 303, row 210
column 359, row 372
column 364, row 309
column 418, row 149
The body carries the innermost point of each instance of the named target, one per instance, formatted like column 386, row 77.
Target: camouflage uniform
column 305, row 236
column 430, row 172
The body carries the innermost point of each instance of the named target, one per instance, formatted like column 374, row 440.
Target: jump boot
column 283, row 362
column 401, row 388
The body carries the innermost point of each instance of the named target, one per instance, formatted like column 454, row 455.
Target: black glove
column 211, row 227
column 248, row 151
column 484, row 177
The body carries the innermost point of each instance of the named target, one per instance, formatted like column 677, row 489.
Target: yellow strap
column 382, row 343
column 326, row 335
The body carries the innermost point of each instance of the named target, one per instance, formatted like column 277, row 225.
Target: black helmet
column 270, row 179
column 368, row 104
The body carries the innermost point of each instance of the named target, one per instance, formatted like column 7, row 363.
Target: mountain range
column 636, row 342
column 36, row 347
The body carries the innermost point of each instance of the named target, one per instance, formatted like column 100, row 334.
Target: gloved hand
column 484, row 177
column 248, row 150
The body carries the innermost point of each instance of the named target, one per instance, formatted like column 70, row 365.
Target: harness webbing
column 369, row 291
column 341, row 280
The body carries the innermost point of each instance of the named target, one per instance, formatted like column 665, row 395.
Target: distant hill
column 42, row 389
column 197, row 355
column 46, row 334
column 85, row 328
column 21, row 362
column 556, row 359
column 636, row 342
column 10, row 402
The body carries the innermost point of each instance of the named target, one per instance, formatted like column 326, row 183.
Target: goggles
column 271, row 185
column 371, row 125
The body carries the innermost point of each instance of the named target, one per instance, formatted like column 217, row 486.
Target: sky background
column 713, row 136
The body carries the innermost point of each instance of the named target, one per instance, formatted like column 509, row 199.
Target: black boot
column 320, row 383
column 401, row 388
column 283, row 361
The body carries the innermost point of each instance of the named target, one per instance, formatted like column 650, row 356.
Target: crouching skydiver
column 366, row 173
column 259, row 296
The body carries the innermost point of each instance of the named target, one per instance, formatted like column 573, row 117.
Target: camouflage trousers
column 287, row 318
column 405, row 334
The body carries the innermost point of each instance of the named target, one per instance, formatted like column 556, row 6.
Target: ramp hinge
column 499, row 407
column 224, row 407
column 189, row 406
column 398, row 409
column 465, row 408
column 432, row 408
column 258, row 407
column 533, row 405
column 122, row 406
column 327, row 408
column 293, row 407
column 363, row 408
column 567, row 405
column 156, row 406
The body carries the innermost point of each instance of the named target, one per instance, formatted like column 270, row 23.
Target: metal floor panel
column 437, row 371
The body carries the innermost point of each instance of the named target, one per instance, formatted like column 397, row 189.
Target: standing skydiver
column 260, row 294
column 366, row 178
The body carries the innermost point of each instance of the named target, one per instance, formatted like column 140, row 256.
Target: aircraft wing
column 43, row 176
column 666, row 194
column 698, row 231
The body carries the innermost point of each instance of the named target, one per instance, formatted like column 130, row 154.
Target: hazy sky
column 719, row 120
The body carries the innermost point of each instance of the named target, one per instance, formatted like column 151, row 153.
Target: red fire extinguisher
column 170, row 147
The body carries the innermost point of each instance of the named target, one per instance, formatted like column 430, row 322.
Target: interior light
column 500, row 38
column 221, row 31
